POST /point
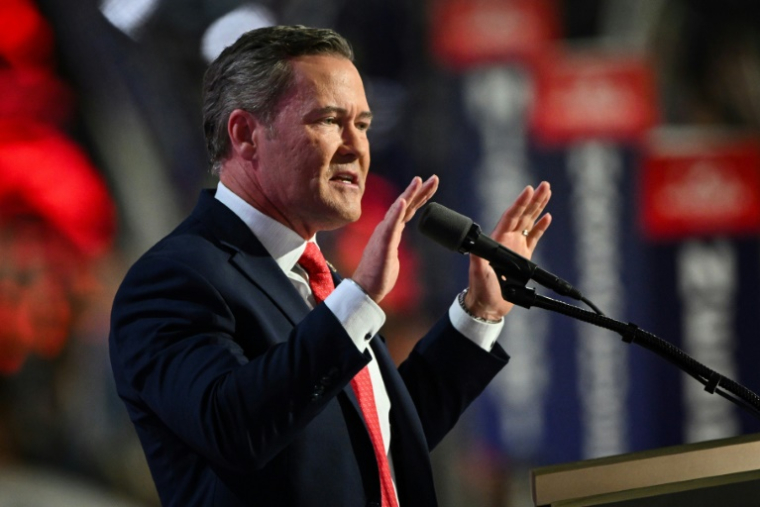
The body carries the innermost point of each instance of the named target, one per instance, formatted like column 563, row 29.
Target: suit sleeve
column 174, row 353
column 444, row 373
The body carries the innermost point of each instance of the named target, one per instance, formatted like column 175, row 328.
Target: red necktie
column 321, row 284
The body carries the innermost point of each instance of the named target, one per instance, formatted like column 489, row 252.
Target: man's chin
column 342, row 217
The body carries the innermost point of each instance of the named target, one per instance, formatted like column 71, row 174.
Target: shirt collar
column 283, row 244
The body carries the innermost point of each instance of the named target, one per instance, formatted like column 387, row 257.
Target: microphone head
column 444, row 226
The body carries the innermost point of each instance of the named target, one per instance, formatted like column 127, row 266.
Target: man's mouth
column 346, row 178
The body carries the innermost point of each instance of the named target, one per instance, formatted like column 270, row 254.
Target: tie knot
column 320, row 277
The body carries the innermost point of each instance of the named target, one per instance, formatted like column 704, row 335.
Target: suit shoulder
column 192, row 241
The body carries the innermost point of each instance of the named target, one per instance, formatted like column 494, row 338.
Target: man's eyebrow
column 364, row 115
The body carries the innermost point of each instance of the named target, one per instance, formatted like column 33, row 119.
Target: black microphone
column 459, row 233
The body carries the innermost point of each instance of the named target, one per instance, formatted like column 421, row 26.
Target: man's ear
column 241, row 127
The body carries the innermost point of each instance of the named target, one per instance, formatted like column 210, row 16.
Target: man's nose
column 355, row 141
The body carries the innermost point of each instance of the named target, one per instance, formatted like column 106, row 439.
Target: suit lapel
column 267, row 275
column 249, row 256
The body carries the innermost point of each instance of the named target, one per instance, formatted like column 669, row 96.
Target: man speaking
column 252, row 372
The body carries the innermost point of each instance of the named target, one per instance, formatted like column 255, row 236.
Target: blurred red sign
column 472, row 32
column 701, row 186
column 593, row 95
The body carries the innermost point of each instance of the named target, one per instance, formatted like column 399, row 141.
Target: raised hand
column 519, row 229
column 378, row 268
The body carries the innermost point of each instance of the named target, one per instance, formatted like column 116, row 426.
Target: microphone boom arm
column 514, row 290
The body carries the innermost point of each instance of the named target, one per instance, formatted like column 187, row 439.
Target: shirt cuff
column 484, row 334
column 360, row 316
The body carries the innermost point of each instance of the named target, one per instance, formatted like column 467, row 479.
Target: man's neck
column 240, row 182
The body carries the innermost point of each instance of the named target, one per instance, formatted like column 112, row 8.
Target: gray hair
column 254, row 73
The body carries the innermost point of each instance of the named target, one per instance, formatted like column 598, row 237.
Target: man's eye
column 330, row 121
column 363, row 126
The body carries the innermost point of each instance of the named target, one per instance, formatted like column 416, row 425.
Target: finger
column 411, row 189
column 409, row 192
column 538, row 230
column 396, row 223
column 426, row 189
column 423, row 195
column 539, row 201
column 534, row 208
column 510, row 219
column 395, row 212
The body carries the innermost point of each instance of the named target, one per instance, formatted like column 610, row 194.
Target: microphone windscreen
column 444, row 226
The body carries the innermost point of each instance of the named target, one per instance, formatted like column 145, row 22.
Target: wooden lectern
column 718, row 473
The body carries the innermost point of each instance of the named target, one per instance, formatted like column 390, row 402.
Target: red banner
column 593, row 95
column 700, row 185
column 473, row 32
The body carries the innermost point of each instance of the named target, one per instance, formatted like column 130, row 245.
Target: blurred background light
column 226, row 30
column 129, row 16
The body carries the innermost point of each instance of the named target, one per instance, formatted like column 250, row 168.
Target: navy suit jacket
column 240, row 393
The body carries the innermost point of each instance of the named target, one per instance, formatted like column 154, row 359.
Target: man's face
column 313, row 165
